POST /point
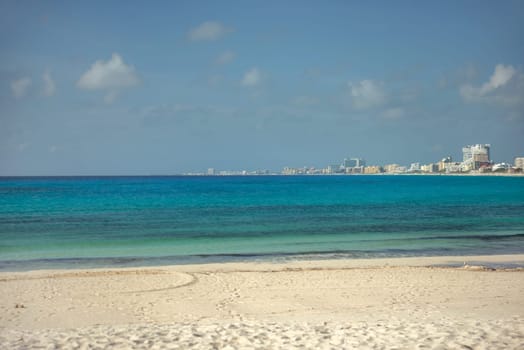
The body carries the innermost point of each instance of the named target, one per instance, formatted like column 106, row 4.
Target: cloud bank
column 111, row 74
column 252, row 77
column 367, row 94
column 505, row 86
column 208, row 31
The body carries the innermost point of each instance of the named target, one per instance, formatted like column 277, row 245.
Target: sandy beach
column 369, row 303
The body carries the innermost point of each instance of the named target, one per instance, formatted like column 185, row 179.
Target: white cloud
column 252, row 77
column 49, row 84
column 210, row 30
column 109, row 75
column 225, row 57
column 505, row 86
column 20, row 86
column 367, row 94
column 500, row 77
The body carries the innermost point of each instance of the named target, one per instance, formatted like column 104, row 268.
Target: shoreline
column 384, row 302
column 496, row 260
column 443, row 261
column 4, row 177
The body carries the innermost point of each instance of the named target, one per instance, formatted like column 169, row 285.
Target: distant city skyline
column 107, row 88
column 475, row 159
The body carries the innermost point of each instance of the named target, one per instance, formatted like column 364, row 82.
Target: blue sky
column 121, row 87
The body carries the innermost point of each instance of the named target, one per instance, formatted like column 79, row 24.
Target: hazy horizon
column 128, row 88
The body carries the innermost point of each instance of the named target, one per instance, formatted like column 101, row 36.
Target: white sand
column 379, row 303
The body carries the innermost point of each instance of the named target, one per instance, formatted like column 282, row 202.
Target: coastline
column 4, row 177
column 489, row 260
column 402, row 302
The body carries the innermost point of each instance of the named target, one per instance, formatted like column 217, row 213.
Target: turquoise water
column 108, row 221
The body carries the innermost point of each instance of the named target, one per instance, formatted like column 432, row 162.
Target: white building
column 395, row 169
column 500, row 166
column 414, row 167
column 429, row 168
column 519, row 163
column 474, row 156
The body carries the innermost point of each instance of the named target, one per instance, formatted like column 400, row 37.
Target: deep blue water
column 107, row 221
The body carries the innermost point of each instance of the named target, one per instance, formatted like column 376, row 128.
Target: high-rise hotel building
column 354, row 162
column 475, row 156
column 519, row 163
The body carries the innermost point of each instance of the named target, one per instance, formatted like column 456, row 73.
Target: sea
column 84, row 222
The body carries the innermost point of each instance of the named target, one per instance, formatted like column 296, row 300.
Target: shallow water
column 129, row 221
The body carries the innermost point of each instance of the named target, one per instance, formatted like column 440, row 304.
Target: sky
column 167, row 87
